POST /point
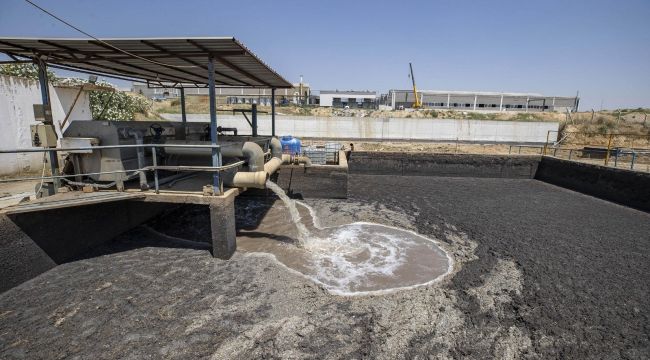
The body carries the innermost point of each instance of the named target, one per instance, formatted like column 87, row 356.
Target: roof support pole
column 216, row 154
column 273, row 112
column 254, row 118
column 183, row 132
column 45, row 96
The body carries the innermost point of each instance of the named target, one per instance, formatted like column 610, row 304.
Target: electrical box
column 42, row 113
column 43, row 135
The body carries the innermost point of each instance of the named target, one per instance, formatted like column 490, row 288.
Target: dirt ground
column 530, row 281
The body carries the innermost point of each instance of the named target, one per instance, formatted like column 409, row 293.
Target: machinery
column 259, row 156
column 418, row 103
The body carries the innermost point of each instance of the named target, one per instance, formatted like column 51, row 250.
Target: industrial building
column 481, row 101
column 353, row 99
column 232, row 95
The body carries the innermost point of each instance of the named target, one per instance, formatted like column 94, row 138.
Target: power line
column 104, row 42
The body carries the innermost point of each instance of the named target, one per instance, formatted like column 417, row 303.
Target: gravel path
column 541, row 272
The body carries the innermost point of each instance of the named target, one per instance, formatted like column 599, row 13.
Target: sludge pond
column 526, row 282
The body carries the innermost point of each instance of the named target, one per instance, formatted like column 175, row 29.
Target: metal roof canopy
column 164, row 62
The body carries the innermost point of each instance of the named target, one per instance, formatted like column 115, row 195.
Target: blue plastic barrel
column 290, row 145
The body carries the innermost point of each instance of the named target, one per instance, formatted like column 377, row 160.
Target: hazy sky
column 601, row 48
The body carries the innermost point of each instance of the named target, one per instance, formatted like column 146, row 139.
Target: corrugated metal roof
column 182, row 62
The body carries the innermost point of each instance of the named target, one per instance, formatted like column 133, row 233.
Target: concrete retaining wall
column 389, row 128
column 34, row 242
column 67, row 232
column 17, row 97
column 626, row 187
column 453, row 165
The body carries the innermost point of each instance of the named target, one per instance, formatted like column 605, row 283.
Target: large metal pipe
column 242, row 179
column 272, row 165
column 276, row 147
column 251, row 152
column 258, row 172
column 254, row 156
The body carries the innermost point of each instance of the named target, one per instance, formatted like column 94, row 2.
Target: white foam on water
column 365, row 258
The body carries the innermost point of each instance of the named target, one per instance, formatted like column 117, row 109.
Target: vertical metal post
column 216, row 154
column 155, row 169
column 554, row 152
column 616, row 158
column 273, row 112
column 570, row 153
column 633, row 158
column 501, row 103
column 254, row 118
column 609, row 147
column 181, row 136
column 527, row 101
column 45, row 96
column 548, row 135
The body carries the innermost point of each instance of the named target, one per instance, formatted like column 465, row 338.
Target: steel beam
column 254, row 119
column 216, row 154
column 45, row 96
column 273, row 112
column 181, row 136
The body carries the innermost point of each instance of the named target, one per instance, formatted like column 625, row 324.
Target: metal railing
column 633, row 159
column 155, row 167
column 540, row 148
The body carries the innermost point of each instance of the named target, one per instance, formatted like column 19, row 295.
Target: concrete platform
column 40, row 234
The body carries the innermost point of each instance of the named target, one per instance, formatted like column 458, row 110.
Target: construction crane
column 417, row 104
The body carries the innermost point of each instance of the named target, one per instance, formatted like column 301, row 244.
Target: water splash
column 351, row 259
column 303, row 233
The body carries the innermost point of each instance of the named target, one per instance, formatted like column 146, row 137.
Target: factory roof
column 480, row 93
column 164, row 62
column 348, row 92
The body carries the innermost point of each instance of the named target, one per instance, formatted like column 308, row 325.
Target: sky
column 556, row 48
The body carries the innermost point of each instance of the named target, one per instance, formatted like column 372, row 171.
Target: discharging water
column 303, row 233
column 356, row 258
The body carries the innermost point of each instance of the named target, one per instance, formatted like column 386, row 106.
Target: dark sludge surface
column 541, row 272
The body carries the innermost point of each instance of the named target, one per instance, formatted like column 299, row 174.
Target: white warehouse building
column 482, row 101
column 353, row 99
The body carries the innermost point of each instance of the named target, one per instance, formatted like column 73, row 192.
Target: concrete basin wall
column 34, row 242
column 626, row 187
column 453, row 165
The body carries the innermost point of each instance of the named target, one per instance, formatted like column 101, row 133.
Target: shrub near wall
column 104, row 105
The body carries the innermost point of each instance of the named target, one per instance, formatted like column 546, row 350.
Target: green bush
column 117, row 105
column 104, row 105
column 29, row 71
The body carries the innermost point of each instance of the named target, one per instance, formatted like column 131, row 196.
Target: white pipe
column 272, row 165
column 242, row 179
